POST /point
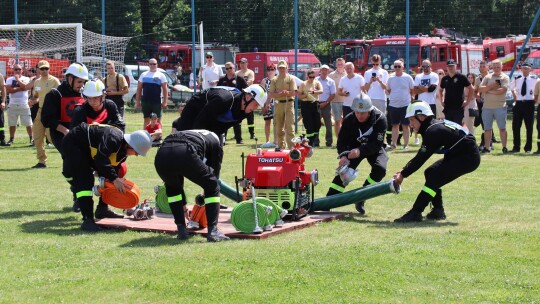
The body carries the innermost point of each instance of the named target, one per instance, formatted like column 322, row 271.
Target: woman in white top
column 472, row 110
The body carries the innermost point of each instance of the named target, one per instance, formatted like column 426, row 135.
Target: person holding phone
column 376, row 85
column 494, row 87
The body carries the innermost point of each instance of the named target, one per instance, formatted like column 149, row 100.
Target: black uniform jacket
column 51, row 113
column 367, row 136
column 216, row 110
column 443, row 137
column 106, row 146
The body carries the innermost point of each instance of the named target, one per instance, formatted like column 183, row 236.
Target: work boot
column 214, row 235
column 360, row 207
column 76, row 207
column 436, row 214
column 182, row 232
column 103, row 211
column 410, row 216
column 3, row 143
column 90, row 225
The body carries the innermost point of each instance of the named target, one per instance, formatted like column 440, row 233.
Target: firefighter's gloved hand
column 120, row 184
column 343, row 161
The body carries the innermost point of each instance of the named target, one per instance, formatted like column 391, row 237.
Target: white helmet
column 362, row 103
column 78, row 70
column 258, row 93
column 93, row 88
column 140, row 141
column 418, row 107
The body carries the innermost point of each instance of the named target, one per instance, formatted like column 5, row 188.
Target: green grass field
column 487, row 251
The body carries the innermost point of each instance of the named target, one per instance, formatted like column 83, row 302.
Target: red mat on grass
column 165, row 223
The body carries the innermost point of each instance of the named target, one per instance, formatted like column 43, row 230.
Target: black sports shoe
column 436, row 214
column 39, row 166
column 252, row 136
column 90, row 225
column 182, row 233
column 410, row 216
column 3, row 143
column 504, row 150
column 76, row 207
column 214, row 235
column 104, row 212
column 537, row 152
column 360, row 207
column 484, row 150
column 514, row 151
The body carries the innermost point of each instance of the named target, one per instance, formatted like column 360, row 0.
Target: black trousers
column 57, row 138
column 445, row 171
column 311, row 115
column 455, row 115
column 238, row 128
column 2, row 123
column 378, row 163
column 175, row 161
column 77, row 169
column 33, row 111
column 523, row 111
column 119, row 102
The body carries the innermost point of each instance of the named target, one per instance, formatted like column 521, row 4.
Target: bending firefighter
column 100, row 148
column 461, row 156
column 218, row 109
column 361, row 137
column 195, row 155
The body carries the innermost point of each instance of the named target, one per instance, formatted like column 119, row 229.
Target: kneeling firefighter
column 195, row 155
column 461, row 156
column 97, row 109
column 361, row 137
column 100, row 148
column 217, row 109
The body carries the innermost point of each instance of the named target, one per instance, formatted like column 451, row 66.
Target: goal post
column 61, row 45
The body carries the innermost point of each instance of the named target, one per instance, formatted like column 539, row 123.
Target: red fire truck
column 352, row 50
column 258, row 61
column 507, row 49
column 27, row 60
column 170, row 53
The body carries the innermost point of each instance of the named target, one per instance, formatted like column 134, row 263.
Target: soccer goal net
column 60, row 45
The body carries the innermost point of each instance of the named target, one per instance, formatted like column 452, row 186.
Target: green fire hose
column 242, row 216
column 356, row 195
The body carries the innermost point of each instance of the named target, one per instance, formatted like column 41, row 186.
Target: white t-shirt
column 427, row 80
column 21, row 97
column 351, row 85
column 375, row 89
column 209, row 74
column 400, row 90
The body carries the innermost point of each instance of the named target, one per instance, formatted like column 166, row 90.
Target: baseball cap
column 43, row 64
column 451, row 62
column 282, row 64
column 209, row 54
column 243, row 60
column 526, row 65
column 325, row 67
column 153, row 115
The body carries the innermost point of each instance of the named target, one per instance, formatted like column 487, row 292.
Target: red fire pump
column 280, row 176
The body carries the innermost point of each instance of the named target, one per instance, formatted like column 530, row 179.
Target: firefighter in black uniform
column 195, row 155
column 362, row 137
column 88, row 148
column 461, row 156
column 60, row 103
column 98, row 110
column 218, row 109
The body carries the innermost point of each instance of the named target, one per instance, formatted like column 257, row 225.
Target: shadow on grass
column 392, row 225
column 67, row 226
column 19, row 214
column 161, row 239
column 16, row 169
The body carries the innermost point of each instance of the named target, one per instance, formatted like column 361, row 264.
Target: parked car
column 177, row 92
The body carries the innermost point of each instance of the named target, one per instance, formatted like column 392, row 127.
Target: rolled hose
column 276, row 210
column 162, row 201
column 112, row 197
column 243, row 218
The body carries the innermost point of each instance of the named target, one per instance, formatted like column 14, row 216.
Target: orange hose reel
column 112, row 197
